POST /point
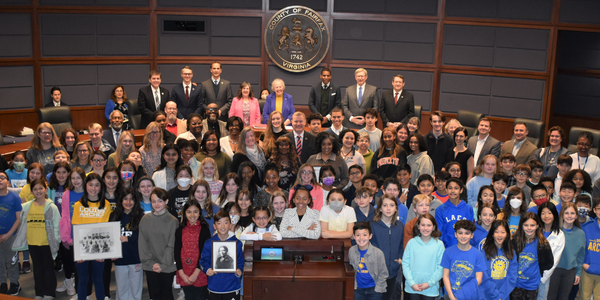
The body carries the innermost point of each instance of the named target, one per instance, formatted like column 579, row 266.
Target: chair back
column 59, row 117
column 418, row 109
column 135, row 116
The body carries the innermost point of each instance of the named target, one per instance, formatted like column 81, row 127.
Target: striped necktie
column 299, row 145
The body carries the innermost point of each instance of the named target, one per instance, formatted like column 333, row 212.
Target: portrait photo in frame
column 224, row 256
column 97, row 241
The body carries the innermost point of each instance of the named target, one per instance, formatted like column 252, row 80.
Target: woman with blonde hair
column 245, row 105
column 152, row 147
column 43, row 145
column 275, row 130
column 82, row 157
column 125, row 145
column 279, row 101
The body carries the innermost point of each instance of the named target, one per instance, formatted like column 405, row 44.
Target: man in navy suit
column 300, row 137
column 152, row 98
column 188, row 95
column 324, row 96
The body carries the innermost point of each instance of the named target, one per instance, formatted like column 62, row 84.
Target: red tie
column 187, row 94
column 396, row 99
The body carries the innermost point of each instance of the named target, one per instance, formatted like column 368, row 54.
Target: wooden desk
column 265, row 280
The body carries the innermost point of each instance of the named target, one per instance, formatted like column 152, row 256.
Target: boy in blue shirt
column 566, row 194
column 10, row 212
column 463, row 264
column 455, row 209
column 369, row 263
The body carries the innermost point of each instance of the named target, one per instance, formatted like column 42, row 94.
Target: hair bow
column 308, row 187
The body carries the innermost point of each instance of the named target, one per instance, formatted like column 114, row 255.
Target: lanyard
column 579, row 164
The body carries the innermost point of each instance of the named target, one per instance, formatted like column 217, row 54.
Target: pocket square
column 333, row 94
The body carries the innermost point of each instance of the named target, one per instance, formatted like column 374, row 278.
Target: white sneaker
column 63, row 287
column 70, row 284
column 75, row 297
column 106, row 298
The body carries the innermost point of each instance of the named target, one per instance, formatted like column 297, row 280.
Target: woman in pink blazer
column 245, row 106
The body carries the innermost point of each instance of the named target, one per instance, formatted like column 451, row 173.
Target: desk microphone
column 297, row 261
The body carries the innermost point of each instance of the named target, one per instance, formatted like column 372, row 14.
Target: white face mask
column 184, row 182
column 515, row 203
column 234, row 219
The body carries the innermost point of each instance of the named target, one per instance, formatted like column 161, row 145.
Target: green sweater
column 223, row 162
column 574, row 252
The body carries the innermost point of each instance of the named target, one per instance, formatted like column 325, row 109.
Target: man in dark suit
column 358, row 98
column 520, row 147
column 397, row 105
column 56, row 96
column 188, row 96
column 301, row 138
column 324, row 96
column 217, row 90
column 152, row 98
column 112, row 134
column 483, row 144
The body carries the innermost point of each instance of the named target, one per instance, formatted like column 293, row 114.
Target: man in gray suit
column 217, row 90
column 520, row 147
column 324, row 96
column 358, row 98
column 483, row 144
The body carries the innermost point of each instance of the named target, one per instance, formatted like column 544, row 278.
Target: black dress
column 462, row 158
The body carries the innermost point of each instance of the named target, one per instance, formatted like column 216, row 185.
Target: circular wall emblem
column 297, row 38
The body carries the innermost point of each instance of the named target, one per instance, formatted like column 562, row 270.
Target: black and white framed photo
column 224, row 256
column 97, row 241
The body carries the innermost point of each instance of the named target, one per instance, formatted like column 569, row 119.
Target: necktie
column 117, row 137
column 187, row 93
column 156, row 100
column 359, row 95
column 299, row 146
column 396, row 98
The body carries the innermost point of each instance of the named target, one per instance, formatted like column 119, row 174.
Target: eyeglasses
column 306, row 172
column 522, row 174
column 3, row 178
column 98, row 160
column 46, row 132
column 540, row 196
column 583, row 144
column 261, row 218
column 212, row 109
column 355, row 173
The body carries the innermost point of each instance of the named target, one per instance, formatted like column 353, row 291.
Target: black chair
column 1, row 139
column 469, row 120
column 573, row 135
column 261, row 103
column 59, row 117
column 418, row 109
column 135, row 116
column 536, row 130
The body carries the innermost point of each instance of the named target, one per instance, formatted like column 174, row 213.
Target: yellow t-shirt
column 279, row 103
column 36, row 226
column 26, row 193
column 91, row 214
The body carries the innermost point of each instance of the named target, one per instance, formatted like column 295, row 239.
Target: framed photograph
column 224, row 256
column 97, row 241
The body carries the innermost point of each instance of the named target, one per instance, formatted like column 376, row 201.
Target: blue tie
column 359, row 95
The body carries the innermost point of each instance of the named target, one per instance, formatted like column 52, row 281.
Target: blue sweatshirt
column 417, row 270
column 574, row 251
column 211, row 221
column 473, row 186
column 529, row 269
column 592, row 247
column 402, row 213
column 131, row 254
column 447, row 215
column 479, row 237
column 500, row 278
column 390, row 241
column 222, row 283
column 360, row 217
column 463, row 266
